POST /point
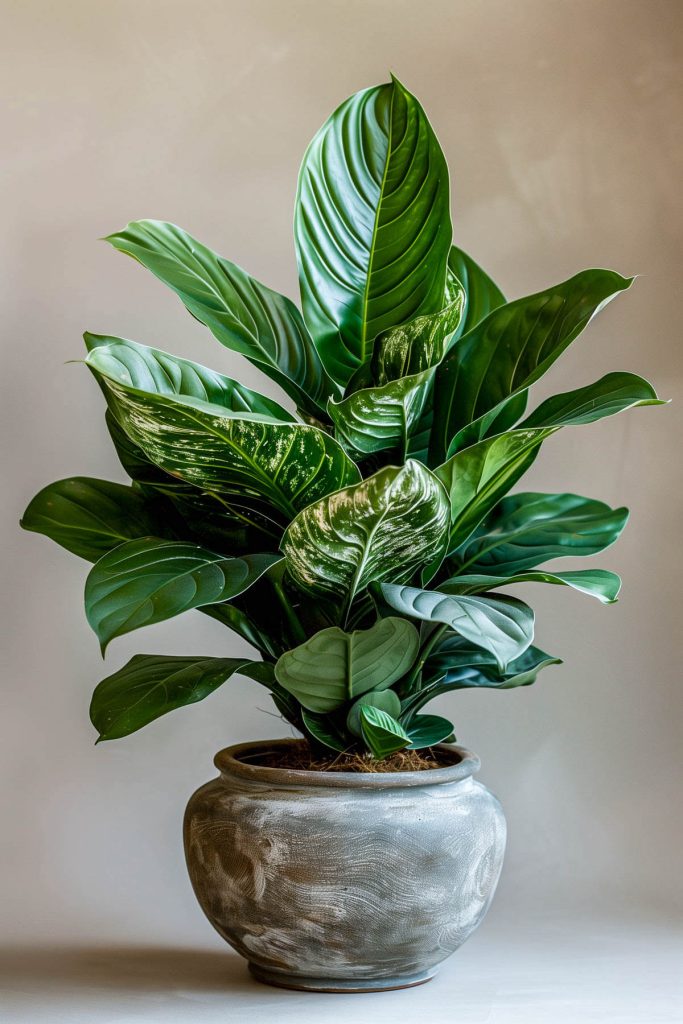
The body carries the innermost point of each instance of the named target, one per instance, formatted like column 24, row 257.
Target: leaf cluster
column 359, row 533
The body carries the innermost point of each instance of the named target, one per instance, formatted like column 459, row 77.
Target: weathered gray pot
column 342, row 881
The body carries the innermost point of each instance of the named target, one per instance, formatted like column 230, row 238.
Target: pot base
column 306, row 984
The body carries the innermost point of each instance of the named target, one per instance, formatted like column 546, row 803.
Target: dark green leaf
column 426, row 730
column 455, row 653
column 526, row 529
column 598, row 583
column 241, row 313
column 509, row 350
column 372, row 224
column 263, row 469
column 481, row 294
column 459, row 665
column 385, row 700
column 611, row 394
column 478, row 477
column 321, row 729
column 502, row 625
column 151, row 685
column 377, row 418
column 150, row 369
column 385, row 527
column 334, row 667
column 382, row 733
column 89, row 517
column 418, row 345
column 149, row 580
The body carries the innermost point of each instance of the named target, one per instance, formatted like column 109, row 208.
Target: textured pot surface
column 343, row 881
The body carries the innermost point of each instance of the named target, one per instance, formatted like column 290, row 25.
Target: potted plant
column 359, row 534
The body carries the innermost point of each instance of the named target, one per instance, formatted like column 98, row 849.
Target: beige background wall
column 561, row 122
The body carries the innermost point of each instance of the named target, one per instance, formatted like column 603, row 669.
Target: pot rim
column 231, row 761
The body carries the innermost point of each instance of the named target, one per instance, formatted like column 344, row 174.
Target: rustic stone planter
column 342, row 881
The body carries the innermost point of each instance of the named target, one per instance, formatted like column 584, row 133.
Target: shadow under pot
column 340, row 881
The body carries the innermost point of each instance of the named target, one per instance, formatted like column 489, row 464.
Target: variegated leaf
column 383, row 528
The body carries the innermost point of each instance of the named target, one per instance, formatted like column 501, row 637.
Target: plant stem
column 290, row 615
column 426, row 649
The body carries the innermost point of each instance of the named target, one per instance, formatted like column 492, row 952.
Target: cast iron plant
column 360, row 535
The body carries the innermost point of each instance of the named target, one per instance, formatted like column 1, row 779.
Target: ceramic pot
column 343, row 881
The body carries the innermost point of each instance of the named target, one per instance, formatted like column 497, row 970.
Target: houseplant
column 358, row 536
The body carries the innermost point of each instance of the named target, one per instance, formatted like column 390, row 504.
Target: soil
column 302, row 758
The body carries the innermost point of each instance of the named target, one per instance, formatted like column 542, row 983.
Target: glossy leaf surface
column 334, row 667
column 257, row 464
column 510, row 349
column 372, row 224
column 149, row 580
column 150, row 369
column 151, row 685
column 385, row 527
column 526, row 529
column 382, row 733
column 377, row 418
column 385, row 700
column 502, row 625
column 418, row 345
column 612, row 394
column 243, row 314
column 459, row 665
column 478, row 477
column 598, row 583
column 426, row 730
column 482, row 295
column 89, row 517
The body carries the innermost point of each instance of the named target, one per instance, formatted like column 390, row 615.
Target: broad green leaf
column 385, row 404
column 189, row 512
column 382, row 733
column 89, row 517
column 377, row 418
column 509, row 350
column 143, row 471
column 418, row 345
column 385, row 527
column 478, row 477
column 149, row 580
column 264, row 470
column 151, row 685
column 240, row 622
column 455, row 654
column 385, row 700
column 611, row 394
column 502, row 625
column 241, row 313
column 426, row 730
column 481, row 294
column 228, row 614
column 460, row 665
column 528, row 528
column 598, row 583
column 334, row 667
column 150, row 369
column 321, row 729
column 372, row 224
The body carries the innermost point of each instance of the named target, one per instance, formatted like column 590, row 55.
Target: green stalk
column 290, row 615
column 426, row 649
